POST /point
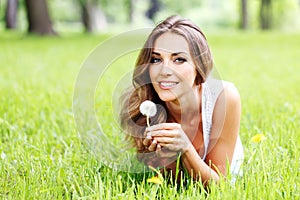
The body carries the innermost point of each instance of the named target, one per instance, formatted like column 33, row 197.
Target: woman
column 198, row 117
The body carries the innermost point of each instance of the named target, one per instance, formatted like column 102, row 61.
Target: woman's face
column 172, row 69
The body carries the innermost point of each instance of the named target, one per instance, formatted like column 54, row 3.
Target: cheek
column 189, row 74
column 153, row 72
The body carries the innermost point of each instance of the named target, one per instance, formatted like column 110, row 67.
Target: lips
column 166, row 85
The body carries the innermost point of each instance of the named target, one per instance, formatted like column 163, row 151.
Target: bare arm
column 224, row 132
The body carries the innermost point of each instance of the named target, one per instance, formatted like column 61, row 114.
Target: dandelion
column 148, row 109
column 154, row 180
column 258, row 138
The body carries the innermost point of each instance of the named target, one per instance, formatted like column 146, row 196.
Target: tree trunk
column 38, row 17
column 153, row 9
column 93, row 18
column 266, row 14
column 11, row 14
column 244, row 14
column 130, row 10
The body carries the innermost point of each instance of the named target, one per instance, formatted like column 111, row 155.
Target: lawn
column 42, row 156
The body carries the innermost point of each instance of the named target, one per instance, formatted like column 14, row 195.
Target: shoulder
column 230, row 92
column 220, row 90
column 228, row 103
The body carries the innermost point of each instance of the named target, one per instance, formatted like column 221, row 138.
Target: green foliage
column 285, row 14
column 180, row 7
column 68, row 11
column 42, row 157
column 66, row 15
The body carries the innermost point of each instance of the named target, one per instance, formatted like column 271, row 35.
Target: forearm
column 197, row 168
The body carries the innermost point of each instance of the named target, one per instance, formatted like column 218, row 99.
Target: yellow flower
column 258, row 138
column 155, row 180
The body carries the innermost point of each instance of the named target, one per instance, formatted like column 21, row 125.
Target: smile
column 167, row 84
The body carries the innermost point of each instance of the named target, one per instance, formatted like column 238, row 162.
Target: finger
column 147, row 141
column 152, row 146
column 158, row 147
column 165, row 133
column 164, row 140
column 166, row 126
column 170, row 146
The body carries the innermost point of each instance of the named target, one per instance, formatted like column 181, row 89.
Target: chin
column 167, row 98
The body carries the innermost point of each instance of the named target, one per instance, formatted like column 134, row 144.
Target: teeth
column 167, row 84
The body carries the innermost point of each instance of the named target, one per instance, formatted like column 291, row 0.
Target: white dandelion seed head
column 148, row 108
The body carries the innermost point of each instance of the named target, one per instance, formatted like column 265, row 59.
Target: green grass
column 42, row 156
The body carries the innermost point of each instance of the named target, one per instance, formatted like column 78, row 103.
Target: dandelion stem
column 263, row 161
column 148, row 123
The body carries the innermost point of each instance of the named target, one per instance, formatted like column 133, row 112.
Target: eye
column 180, row 60
column 155, row 60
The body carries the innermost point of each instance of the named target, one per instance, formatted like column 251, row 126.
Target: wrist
column 190, row 150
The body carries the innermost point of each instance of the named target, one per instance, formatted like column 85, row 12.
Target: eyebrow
column 173, row 54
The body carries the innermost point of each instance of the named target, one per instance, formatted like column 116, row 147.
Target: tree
column 130, row 8
column 153, row 9
column 92, row 16
column 38, row 17
column 266, row 14
column 11, row 14
column 244, row 14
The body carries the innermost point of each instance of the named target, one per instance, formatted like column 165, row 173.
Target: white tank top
column 211, row 90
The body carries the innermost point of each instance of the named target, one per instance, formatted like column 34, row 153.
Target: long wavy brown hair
column 132, row 121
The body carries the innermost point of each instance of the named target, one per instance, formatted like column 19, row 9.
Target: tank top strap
column 211, row 90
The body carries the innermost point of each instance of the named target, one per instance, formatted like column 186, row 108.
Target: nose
column 165, row 69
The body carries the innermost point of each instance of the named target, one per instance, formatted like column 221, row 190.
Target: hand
column 151, row 144
column 168, row 135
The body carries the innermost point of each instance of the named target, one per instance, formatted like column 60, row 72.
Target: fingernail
column 149, row 137
column 154, row 142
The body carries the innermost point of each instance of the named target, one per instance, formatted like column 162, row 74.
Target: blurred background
column 255, row 44
column 48, row 17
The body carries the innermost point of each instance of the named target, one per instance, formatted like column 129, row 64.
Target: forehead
column 171, row 42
